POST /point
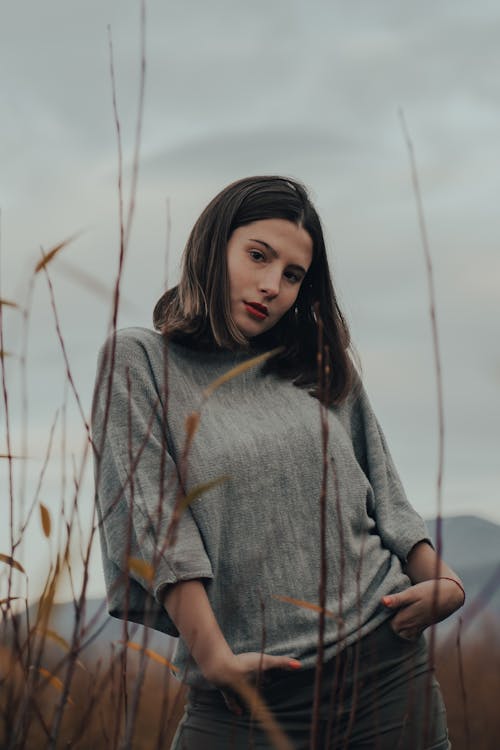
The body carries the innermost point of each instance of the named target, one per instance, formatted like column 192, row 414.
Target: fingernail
column 386, row 600
column 294, row 664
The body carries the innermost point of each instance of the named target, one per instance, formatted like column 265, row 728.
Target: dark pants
column 377, row 694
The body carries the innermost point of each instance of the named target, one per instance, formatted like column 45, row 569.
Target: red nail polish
column 294, row 664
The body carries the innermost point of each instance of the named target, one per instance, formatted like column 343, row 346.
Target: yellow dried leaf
column 54, row 636
column 46, row 601
column 45, row 605
column 192, row 422
column 54, row 681
column 197, row 491
column 60, row 641
column 48, row 256
column 45, row 518
column 239, row 369
column 153, row 655
column 13, row 563
column 262, row 713
column 306, row 605
column 142, row 568
column 91, row 283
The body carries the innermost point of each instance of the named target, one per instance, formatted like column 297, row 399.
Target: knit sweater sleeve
column 399, row 525
column 136, row 484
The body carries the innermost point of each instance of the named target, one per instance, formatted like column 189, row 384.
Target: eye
column 293, row 277
column 256, row 255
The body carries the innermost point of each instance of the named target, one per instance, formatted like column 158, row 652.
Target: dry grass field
column 136, row 704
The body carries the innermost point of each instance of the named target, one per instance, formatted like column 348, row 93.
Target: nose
column 270, row 283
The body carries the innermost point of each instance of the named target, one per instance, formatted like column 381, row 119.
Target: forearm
column 436, row 593
column 424, row 565
column 188, row 606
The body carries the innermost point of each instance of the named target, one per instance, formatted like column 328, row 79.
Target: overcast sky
column 307, row 89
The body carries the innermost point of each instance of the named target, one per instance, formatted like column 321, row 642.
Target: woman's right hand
column 188, row 606
column 241, row 669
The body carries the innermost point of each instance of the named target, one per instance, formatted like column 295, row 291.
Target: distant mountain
column 471, row 546
column 104, row 634
column 468, row 541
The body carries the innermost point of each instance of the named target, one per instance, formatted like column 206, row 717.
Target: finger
column 401, row 599
column 403, row 620
column 405, row 627
column 280, row 662
column 400, row 629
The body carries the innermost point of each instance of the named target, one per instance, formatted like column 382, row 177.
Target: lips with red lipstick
column 256, row 309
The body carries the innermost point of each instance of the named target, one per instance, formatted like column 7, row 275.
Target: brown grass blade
column 306, row 605
column 8, row 560
column 45, row 605
column 192, row 422
column 54, row 636
column 9, row 599
column 142, row 568
column 55, row 682
column 8, row 303
column 261, row 712
column 152, row 655
column 239, row 369
column 47, row 257
column 60, row 641
column 197, row 491
column 45, row 519
column 4, row 354
column 47, row 599
column 92, row 284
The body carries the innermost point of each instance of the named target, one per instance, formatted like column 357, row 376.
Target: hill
column 471, row 546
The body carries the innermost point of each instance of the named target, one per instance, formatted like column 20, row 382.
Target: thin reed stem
column 440, row 409
column 463, row 691
column 65, row 354
column 323, row 390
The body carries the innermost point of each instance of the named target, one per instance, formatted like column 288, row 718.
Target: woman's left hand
column 418, row 606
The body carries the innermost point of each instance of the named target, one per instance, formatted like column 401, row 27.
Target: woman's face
column 266, row 261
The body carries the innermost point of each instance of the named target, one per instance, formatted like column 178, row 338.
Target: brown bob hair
column 196, row 312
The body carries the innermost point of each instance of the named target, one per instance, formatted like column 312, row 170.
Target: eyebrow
column 276, row 254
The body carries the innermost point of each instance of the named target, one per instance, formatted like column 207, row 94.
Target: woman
column 210, row 497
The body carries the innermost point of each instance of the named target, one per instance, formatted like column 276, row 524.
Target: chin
column 251, row 331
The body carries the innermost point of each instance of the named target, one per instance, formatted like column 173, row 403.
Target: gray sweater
column 253, row 538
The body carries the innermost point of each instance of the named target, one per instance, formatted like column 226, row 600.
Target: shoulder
column 354, row 400
column 355, row 412
column 147, row 354
column 135, row 351
column 133, row 338
column 132, row 344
